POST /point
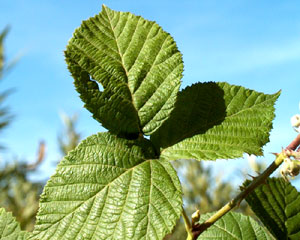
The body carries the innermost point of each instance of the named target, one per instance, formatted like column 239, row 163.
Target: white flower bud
column 295, row 121
column 290, row 168
column 252, row 162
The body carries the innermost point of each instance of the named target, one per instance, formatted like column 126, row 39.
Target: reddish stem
column 294, row 144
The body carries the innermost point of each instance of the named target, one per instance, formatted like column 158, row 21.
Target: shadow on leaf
column 198, row 108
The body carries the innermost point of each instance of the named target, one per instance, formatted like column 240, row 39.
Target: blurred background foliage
column 19, row 194
column 5, row 115
column 69, row 138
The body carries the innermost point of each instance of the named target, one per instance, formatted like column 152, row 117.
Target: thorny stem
column 199, row 228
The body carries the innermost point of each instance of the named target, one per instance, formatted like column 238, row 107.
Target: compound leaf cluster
column 120, row 185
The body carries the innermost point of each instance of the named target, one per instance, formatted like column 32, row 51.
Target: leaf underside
column 216, row 121
column 137, row 64
column 276, row 203
column 110, row 188
column 9, row 228
column 234, row 226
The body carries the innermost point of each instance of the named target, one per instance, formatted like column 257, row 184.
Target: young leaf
column 216, row 121
column 10, row 228
column 136, row 62
column 110, row 188
column 234, row 226
column 276, row 203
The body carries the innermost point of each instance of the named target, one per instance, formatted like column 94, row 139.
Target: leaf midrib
column 123, row 65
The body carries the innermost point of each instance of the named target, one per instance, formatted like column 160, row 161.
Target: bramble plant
column 120, row 184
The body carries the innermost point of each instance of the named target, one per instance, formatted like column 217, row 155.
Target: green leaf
column 110, row 188
column 10, row 228
column 135, row 61
column 216, row 121
column 276, row 203
column 234, row 226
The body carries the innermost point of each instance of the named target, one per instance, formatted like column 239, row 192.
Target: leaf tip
column 104, row 7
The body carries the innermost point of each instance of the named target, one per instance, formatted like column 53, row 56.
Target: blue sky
column 251, row 43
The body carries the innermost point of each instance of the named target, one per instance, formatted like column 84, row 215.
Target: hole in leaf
column 100, row 87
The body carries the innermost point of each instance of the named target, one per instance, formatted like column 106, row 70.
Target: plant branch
column 187, row 224
column 199, row 228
